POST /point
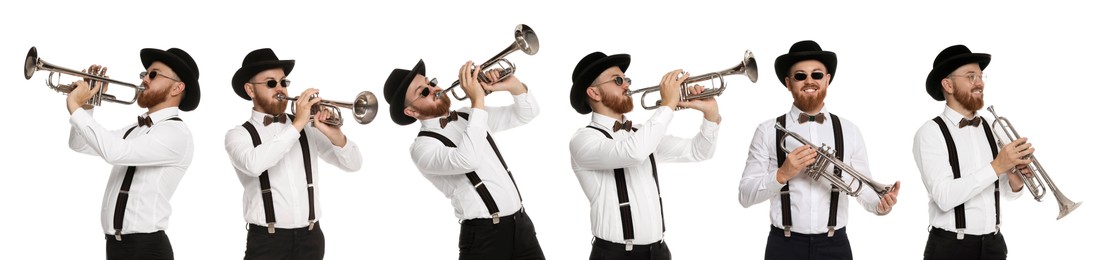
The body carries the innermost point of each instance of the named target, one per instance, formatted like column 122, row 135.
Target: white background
column 1044, row 77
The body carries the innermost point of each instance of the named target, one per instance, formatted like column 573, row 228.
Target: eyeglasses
column 816, row 75
column 425, row 90
column 972, row 77
column 271, row 83
column 617, row 80
column 153, row 75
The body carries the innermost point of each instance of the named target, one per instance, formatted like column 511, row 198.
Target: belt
column 135, row 235
column 609, row 245
column 966, row 237
column 492, row 221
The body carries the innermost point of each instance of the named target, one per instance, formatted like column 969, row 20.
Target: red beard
column 441, row 109
column 808, row 103
column 150, row 98
column 621, row 105
column 968, row 101
column 270, row 105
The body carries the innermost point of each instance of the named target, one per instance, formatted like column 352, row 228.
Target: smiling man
column 808, row 216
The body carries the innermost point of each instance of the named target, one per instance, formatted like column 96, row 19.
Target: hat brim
column 399, row 96
column 182, row 70
column 586, row 78
column 245, row 73
column 786, row 61
column 940, row 71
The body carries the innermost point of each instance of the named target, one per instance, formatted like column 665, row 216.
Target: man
column 455, row 152
column 149, row 157
column 808, row 217
column 957, row 155
column 614, row 159
column 276, row 159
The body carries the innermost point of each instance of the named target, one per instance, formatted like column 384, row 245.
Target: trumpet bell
column 526, row 39
column 365, row 107
column 31, row 64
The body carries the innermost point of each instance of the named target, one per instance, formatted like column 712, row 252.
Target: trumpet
column 33, row 64
column 1006, row 134
column 748, row 68
column 524, row 39
column 364, row 108
column 825, row 156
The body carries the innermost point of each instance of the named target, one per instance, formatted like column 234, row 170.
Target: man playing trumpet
column 455, row 152
column 957, row 156
column 615, row 160
column 276, row 160
column 808, row 217
column 149, row 157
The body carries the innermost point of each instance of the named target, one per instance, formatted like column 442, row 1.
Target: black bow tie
column 966, row 122
column 452, row 116
column 627, row 125
column 145, row 121
column 269, row 119
column 803, row 118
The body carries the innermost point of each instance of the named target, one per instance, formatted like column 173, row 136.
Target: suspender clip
column 118, row 234
column 311, row 226
column 960, row 234
column 788, row 233
column 494, row 218
column 831, row 231
column 997, row 227
column 271, row 228
column 628, row 245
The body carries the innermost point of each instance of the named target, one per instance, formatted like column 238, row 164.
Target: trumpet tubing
column 748, row 67
column 364, row 108
column 524, row 39
column 33, row 64
column 1005, row 133
column 825, row 157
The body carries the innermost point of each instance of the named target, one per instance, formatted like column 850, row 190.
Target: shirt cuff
column 477, row 121
column 771, row 182
column 990, row 175
column 709, row 128
column 663, row 114
column 80, row 117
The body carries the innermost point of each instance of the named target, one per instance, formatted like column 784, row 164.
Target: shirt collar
column 604, row 121
column 794, row 113
column 953, row 116
column 258, row 118
column 164, row 113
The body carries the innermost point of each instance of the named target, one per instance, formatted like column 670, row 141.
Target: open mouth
column 809, row 89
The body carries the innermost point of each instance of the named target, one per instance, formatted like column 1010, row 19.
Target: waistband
column 609, row 245
column 966, row 237
column 137, row 236
column 781, row 232
column 511, row 218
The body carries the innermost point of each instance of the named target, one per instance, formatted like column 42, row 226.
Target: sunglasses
column 617, row 80
column 152, row 75
column 425, row 91
column 272, row 83
column 802, row 76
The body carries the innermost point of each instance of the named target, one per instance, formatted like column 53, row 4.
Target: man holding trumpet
column 455, row 152
column 615, row 160
column 149, row 157
column 808, row 217
column 957, row 156
column 276, row 160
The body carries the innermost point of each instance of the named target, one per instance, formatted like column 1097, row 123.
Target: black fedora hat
column 394, row 91
column 587, row 70
column 801, row 51
column 947, row 61
column 185, row 68
column 255, row 62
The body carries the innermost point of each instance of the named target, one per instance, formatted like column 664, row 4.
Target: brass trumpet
column 825, row 156
column 524, row 39
column 1005, row 134
column 33, row 64
column 747, row 68
column 364, row 108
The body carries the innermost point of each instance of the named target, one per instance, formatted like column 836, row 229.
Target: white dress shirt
column 281, row 155
column 594, row 157
column 446, row 167
column 810, row 200
column 974, row 188
column 161, row 153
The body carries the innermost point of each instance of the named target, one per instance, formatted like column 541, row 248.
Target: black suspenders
column 266, row 185
column 959, row 211
column 622, row 197
column 473, row 177
column 786, row 202
column 124, row 191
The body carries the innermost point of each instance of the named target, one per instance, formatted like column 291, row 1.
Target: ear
column 947, row 86
column 826, row 80
column 178, row 89
column 788, row 83
column 593, row 94
column 250, row 91
column 409, row 111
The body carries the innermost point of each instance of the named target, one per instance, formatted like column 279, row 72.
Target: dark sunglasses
column 152, row 75
column 272, row 83
column 425, row 91
column 802, row 76
column 617, row 80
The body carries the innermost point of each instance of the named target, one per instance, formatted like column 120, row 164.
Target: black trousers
column 139, row 246
column 514, row 237
column 804, row 246
column 607, row 250
column 942, row 244
column 296, row 243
